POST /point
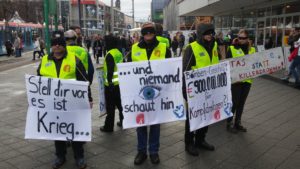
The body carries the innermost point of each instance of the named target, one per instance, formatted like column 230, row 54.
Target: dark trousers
column 239, row 93
column 36, row 52
column 112, row 100
column 61, row 149
column 142, row 136
column 98, row 54
column 194, row 137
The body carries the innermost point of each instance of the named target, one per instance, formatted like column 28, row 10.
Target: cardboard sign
column 209, row 95
column 100, row 78
column 257, row 64
column 151, row 92
column 58, row 109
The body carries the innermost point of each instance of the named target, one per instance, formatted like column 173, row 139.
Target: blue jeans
column 295, row 65
column 142, row 136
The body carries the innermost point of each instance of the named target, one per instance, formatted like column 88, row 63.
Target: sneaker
column 80, row 163
column 192, row 150
column 205, row 145
column 240, row 128
column 104, row 129
column 58, row 162
column 154, row 158
column 140, row 158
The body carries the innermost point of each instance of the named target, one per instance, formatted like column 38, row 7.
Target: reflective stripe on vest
column 118, row 58
column 163, row 40
column 140, row 54
column 239, row 53
column 67, row 69
column 202, row 57
column 81, row 53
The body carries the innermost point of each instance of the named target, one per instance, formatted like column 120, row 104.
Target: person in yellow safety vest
column 201, row 53
column 159, row 36
column 81, row 53
column 111, row 84
column 239, row 90
column 149, row 48
column 64, row 65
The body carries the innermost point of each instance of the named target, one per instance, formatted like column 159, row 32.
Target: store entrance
column 274, row 31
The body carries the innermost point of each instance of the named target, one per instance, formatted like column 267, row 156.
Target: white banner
column 100, row 78
column 209, row 95
column 151, row 92
column 58, row 109
column 257, row 64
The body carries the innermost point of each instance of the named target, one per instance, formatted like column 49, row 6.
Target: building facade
column 157, row 7
column 264, row 18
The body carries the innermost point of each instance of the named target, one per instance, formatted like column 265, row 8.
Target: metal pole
column 46, row 17
column 112, row 16
column 56, row 21
column 133, row 14
column 79, row 12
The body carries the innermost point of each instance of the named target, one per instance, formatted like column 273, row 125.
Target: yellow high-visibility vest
column 67, row 69
column 239, row 53
column 118, row 58
column 163, row 40
column 81, row 53
column 202, row 57
column 140, row 54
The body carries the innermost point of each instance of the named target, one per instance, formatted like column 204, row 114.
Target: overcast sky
column 142, row 8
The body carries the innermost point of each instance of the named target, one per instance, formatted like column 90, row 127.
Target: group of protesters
column 202, row 51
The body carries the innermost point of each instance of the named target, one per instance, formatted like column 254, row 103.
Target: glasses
column 243, row 38
column 149, row 30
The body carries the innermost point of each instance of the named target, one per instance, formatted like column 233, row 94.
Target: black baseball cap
column 57, row 38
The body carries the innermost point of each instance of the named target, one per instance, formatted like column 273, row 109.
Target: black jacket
column 80, row 71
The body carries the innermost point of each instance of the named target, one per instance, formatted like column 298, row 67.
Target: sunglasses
column 149, row 30
column 243, row 38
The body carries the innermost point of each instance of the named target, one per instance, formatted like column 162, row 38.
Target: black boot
column 240, row 128
column 230, row 128
column 154, row 158
column 205, row 145
column 192, row 150
column 140, row 158
column 58, row 162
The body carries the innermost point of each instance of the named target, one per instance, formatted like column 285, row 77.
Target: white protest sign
column 209, row 95
column 260, row 48
column 257, row 64
column 100, row 78
column 58, row 109
column 151, row 92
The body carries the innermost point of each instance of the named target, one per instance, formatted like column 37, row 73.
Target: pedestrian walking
column 98, row 48
column 18, row 46
column 147, row 49
column 42, row 46
column 201, row 53
column 174, row 46
column 181, row 42
column 159, row 36
column 58, row 59
column 88, row 43
column 9, row 48
column 36, row 48
column 239, row 90
column 111, row 84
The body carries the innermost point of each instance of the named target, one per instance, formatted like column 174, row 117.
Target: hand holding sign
column 58, row 109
